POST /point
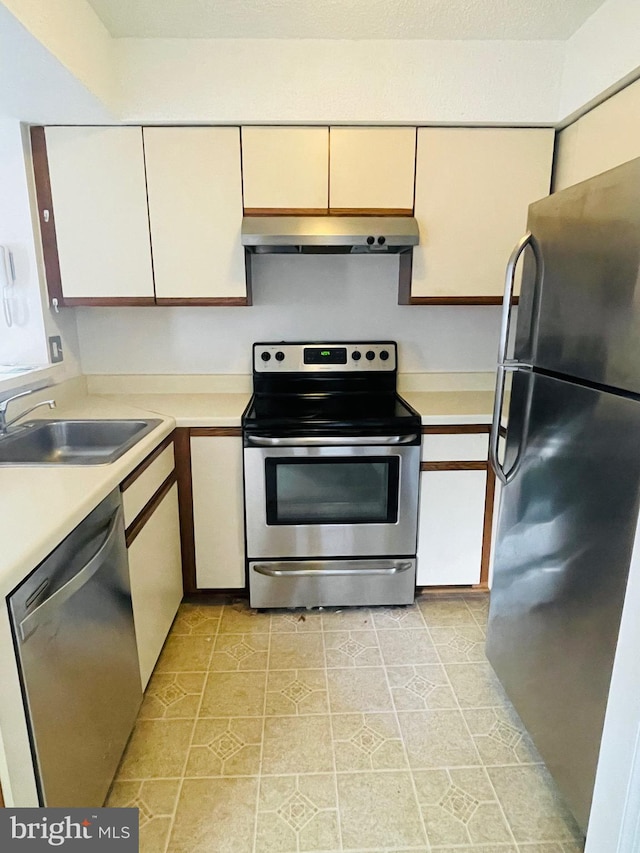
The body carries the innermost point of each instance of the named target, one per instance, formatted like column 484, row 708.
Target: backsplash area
column 295, row 298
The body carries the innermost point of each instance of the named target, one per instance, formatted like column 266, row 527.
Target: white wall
column 295, row 298
column 277, row 81
column 601, row 54
column 614, row 826
column 24, row 342
column 35, row 86
column 72, row 32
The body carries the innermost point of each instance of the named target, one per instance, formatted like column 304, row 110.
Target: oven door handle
column 302, row 570
column 323, row 441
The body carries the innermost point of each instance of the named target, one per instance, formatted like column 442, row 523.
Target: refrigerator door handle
column 506, row 365
column 509, row 285
column 506, row 476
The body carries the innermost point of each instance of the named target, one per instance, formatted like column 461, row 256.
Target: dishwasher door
column 73, row 629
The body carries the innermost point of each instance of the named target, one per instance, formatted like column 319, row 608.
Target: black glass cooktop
column 337, row 411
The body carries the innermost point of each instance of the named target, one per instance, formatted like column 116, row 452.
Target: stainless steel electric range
column 331, row 473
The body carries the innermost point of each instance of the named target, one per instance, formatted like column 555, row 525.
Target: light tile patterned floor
column 379, row 729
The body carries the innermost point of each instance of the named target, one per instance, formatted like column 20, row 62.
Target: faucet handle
column 4, row 403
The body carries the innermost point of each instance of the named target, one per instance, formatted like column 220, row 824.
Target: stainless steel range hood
column 329, row 234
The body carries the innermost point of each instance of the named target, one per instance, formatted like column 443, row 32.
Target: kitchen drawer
column 139, row 491
column 455, row 447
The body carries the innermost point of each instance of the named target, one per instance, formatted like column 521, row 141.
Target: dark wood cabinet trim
column 108, row 301
column 142, row 467
column 454, row 466
column 233, row 591
column 149, row 508
column 489, row 498
column 456, row 429
column 406, row 299
column 224, row 301
column 202, row 432
column 328, row 211
column 371, row 211
column 45, row 202
column 182, row 449
column 286, row 211
column 442, row 590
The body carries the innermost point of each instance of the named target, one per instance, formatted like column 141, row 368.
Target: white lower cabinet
column 450, row 527
column 218, row 511
column 155, row 570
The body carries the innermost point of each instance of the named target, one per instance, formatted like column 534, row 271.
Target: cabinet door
column 195, row 212
column 603, row 138
column 100, row 208
column 155, row 570
column 285, row 168
column 372, row 168
column 218, row 511
column 473, row 189
column 450, row 527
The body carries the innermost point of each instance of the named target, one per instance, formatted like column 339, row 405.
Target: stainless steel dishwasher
column 73, row 629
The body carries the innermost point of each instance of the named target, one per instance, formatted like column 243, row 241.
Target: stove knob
column 279, row 356
column 265, row 356
column 370, row 355
column 384, row 355
column 356, row 356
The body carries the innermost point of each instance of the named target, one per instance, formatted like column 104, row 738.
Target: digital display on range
column 325, row 355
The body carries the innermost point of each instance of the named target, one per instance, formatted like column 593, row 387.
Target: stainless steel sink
column 73, row 442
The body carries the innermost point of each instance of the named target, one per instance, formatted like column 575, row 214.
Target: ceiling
column 345, row 19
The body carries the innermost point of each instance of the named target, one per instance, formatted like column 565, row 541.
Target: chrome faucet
column 4, row 423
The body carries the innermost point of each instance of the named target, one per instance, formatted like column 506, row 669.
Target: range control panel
column 336, row 357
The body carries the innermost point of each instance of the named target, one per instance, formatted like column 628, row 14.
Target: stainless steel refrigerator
column 569, row 460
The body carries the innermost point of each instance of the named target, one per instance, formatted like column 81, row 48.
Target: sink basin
column 62, row 442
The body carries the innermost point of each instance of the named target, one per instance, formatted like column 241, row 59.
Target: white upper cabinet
column 195, row 212
column 100, row 208
column 473, row 189
column 603, row 138
column 285, row 168
column 372, row 168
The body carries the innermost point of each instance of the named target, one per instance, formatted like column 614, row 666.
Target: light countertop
column 452, row 407
column 191, row 410
column 39, row 506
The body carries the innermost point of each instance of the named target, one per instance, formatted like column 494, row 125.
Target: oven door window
column 332, row 490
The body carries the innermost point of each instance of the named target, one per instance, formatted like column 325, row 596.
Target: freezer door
column 580, row 314
column 565, row 534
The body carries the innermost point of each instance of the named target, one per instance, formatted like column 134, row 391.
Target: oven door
column 331, row 501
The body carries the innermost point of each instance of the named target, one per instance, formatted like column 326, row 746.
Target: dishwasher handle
column 38, row 616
